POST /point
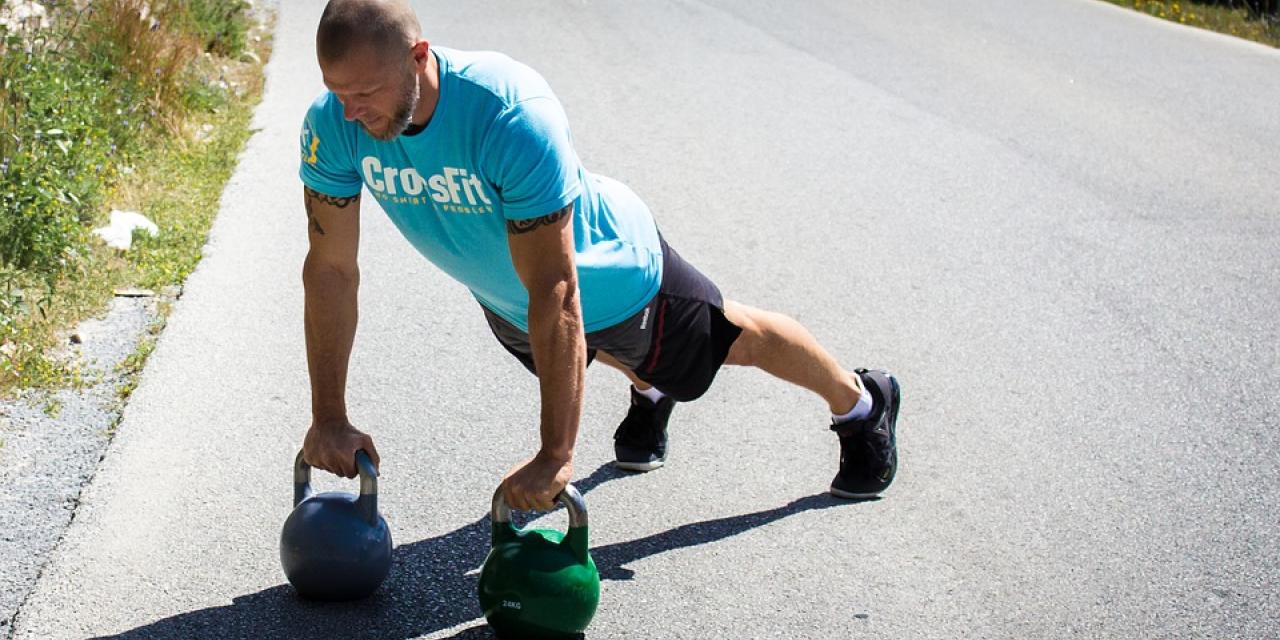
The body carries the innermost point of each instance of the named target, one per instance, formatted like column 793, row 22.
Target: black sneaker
column 640, row 443
column 868, row 447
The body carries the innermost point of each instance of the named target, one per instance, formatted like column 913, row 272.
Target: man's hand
column 332, row 447
column 534, row 484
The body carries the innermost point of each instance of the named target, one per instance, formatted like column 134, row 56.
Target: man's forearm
column 560, row 353
column 330, row 318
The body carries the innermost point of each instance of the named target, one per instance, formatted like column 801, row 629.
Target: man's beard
column 404, row 114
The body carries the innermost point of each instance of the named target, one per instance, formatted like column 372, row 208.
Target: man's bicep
column 542, row 248
column 333, row 226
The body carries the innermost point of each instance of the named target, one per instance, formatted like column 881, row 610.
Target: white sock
column 651, row 393
column 858, row 412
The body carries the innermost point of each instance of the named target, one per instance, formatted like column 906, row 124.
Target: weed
column 1257, row 20
column 85, row 100
column 53, row 408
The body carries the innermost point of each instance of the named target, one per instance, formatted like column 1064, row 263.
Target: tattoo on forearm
column 517, row 227
column 313, row 196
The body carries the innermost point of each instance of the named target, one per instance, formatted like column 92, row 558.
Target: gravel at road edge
column 51, row 443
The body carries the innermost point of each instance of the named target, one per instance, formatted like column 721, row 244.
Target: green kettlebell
column 539, row 583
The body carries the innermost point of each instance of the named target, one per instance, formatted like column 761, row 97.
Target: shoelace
column 885, row 449
column 875, row 445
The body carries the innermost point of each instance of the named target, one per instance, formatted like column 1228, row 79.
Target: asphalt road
column 1057, row 221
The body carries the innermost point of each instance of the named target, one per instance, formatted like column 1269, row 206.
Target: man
column 470, row 155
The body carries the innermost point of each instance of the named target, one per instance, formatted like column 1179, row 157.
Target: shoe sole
column 851, row 496
column 897, row 392
column 639, row 466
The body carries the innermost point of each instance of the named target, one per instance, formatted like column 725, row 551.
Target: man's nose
column 351, row 110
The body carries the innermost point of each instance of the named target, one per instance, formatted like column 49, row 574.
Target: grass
column 179, row 187
column 132, row 365
column 195, row 85
column 53, row 408
column 1223, row 19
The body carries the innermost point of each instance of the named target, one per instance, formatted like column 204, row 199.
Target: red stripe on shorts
column 657, row 344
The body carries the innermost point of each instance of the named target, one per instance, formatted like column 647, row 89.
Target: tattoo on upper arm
column 516, row 227
column 312, row 195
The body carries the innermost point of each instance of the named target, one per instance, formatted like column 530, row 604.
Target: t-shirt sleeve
column 328, row 165
column 530, row 158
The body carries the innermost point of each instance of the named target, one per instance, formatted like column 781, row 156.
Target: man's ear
column 421, row 49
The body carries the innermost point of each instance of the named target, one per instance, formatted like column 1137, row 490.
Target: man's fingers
column 522, row 501
column 334, row 450
column 508, row 495
column 515, row 499
column 353, row 467
column 530, row 501
column 533, row 485
column 338, row 468
column 366, row 443
column 539, row 501
column 526, row 501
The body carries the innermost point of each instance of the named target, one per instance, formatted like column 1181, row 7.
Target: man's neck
column 429, row 85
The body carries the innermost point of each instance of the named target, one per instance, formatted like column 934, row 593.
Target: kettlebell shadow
column 611, row 560
column 433, row 584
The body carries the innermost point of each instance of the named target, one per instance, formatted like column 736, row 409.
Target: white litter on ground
column 24, row 15
column 119, row 233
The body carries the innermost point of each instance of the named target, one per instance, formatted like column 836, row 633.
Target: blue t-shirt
column 497, row 148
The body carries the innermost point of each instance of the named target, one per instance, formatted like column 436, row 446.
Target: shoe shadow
column 432, row 585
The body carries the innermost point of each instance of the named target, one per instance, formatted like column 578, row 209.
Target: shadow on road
column 432, row 585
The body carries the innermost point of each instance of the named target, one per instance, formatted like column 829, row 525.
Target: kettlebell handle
column 569, row 497
column 368, row 500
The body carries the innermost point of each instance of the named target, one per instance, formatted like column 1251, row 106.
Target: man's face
column 379, row 92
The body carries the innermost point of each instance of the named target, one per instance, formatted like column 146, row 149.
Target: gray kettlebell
column 335, row 546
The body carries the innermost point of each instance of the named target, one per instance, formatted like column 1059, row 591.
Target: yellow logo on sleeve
column 311, row 146
column 315, row 144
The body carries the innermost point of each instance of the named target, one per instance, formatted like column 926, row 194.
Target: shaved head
column 389, row 27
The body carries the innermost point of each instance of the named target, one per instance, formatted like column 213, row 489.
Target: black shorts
column 677, row 342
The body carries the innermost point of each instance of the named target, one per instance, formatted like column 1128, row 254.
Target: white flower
column 25, row 14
